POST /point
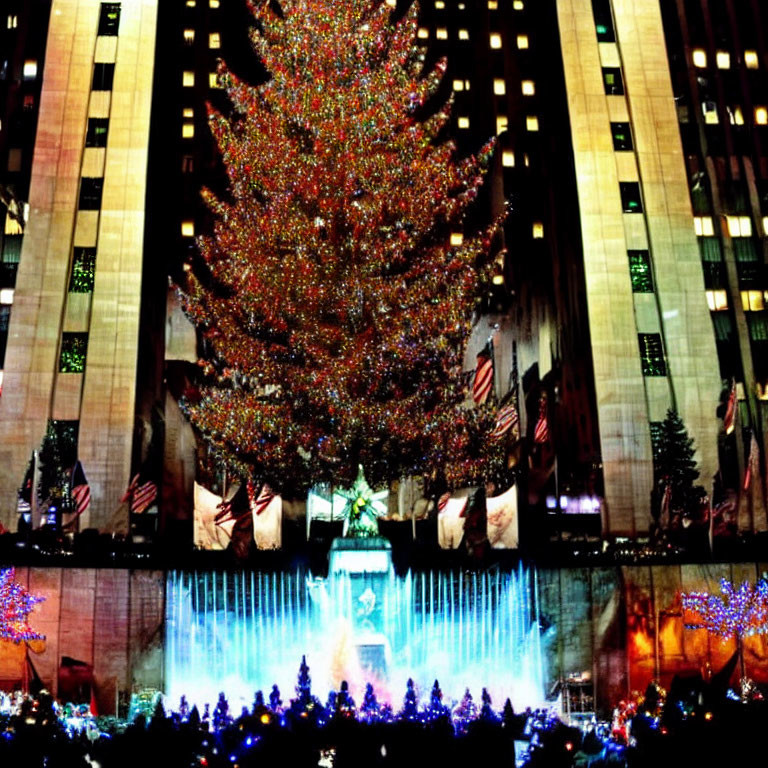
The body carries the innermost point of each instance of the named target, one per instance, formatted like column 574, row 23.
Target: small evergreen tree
column 258, row 707
column 674, row 465
column 436, row 707
column 369, row 709
column 410, row 710
column 487, row 713
column 183, row 708
column 221, row 712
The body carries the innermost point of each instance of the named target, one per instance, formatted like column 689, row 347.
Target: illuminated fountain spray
column 243, row 631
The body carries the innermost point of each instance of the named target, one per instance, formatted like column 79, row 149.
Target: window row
column 735, row 114
column 214, row 38
column 737, row 226
column 211, row 3
column 723, row 59
column 751, row 301
column 188, row 79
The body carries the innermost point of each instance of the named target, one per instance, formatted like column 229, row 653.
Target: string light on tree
column 16, row 603
column 735, row 613
column 333, row 304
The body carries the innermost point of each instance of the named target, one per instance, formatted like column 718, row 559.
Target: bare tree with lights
column 333, row 303
column 735, row 613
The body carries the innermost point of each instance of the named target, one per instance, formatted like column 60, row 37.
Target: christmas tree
column 410, row 710
column 334, row 297
column 675, row 468
column 16, row 603
column 436, row 708
column 369, row 709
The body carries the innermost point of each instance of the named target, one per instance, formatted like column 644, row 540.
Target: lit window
column 214, row 40
column 83, row 270
column 517, row 5
column 188, row 78
column 189, row 36
column 392, row 3
column 723, row 60
column 522, row 41
column 109, row 19
column 612, row 81
column 622, row 137
column 495, row 40
column 6, row 295
column 12, row 225
column 213, row 80
column 213, row 3
column 439, row 4
column 699, row 58
column 501, row 124
column 441, row 33
column 631, row 201
column 750, row 59
column 29, row 72
column 761, row 116
column 538, row 230
column 526, row 160
column 467, row 84
column 640, row 273
column 499, row 88
column 752, row 301
column 188, row 228
column 703, row 226
column 74, row 347
column 188, row 131
column 709, row 108
column 457, row 238
column 531, row 123
column 736, row 116
column 190, row 3
column 652, row 354
column 463, row 34
column 739, row 226
column 498, row 279
column 765, row 225
column 717, row 300
column 508, row 158
column 528, row 88
column 13, row 21
column 423, row 33
column 187, row 112
column 458, row 85
column 463, row 122
column 493, row 5
column 461, row 6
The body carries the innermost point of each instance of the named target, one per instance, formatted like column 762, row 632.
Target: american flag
column 483, row 376
column 753, row 462
column 729, row 420
column 541, row 432
column 262, row 501
column 80, row 490
column 141, row 494
column 506, row 419
column 232, row 508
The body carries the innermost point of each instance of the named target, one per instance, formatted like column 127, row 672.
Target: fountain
column 243, row 631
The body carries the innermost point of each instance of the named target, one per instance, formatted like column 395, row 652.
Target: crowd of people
column 695, row 723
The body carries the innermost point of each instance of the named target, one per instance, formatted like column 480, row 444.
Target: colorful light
column 16, row 604
column 333, row 306
column 736, row 612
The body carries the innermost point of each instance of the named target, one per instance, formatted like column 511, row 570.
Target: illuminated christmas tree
column 16, row 603
column 338, row 284
column 735, row 613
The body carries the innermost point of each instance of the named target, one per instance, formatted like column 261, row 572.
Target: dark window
column 109, row 18
column 630, row 197
column 73, row 349
column 96, row 135
column 714, row 275
column 622, row 137
column 12, row 249
column 758, row 326
column 603, row 21
column 187, row 164
column 652, row 354
column 749, row 274
column 744, row 249
column 90, row 193
column 5, row 316
column 83, row 270
column 612, row 81
column 723, row 326
column 709, row 249
column 103, row 75
column 640, row 271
